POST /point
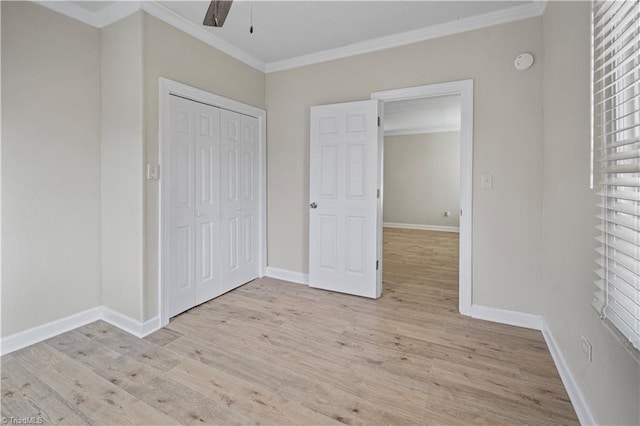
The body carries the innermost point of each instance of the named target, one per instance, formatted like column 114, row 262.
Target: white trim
column 504, row 316
column 122, row 9
column 131, row 326
column 421, row 227
column 421, row 130
column 72, row 11
column 114, row 12
column 498, row 17
column 286, row 275
column 537, row 322
column 197, row 31
column 573, row 390
column 54, row 328
column 464, row 88
column 46, row 331
column 166, row 88
column 380, row 204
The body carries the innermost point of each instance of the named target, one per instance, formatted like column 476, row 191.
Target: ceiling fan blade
column 217, row 13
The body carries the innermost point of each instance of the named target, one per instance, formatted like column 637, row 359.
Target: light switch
column 153, row 172
column 486, row 181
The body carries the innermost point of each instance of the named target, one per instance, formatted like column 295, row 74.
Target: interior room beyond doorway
column 421, row 210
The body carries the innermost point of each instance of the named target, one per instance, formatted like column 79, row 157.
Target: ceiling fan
column 217, row 13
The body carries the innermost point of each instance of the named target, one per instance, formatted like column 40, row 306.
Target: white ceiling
column 93, row 6
column 287, row 29
column 294, row 33
column 423, row 115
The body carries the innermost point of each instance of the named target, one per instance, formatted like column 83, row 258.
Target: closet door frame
column 167, row 88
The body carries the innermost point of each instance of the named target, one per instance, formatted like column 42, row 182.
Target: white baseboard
column 573, row 390
column 286, row 275
column 46, row 331
column 537, row 322
column 504, row 316
column 421, row 227
column 42, row 332
column 131, row 326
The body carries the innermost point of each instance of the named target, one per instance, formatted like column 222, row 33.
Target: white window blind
column 616, row 142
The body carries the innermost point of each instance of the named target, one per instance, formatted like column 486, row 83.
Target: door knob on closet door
column 198, row 215
column 313, row 205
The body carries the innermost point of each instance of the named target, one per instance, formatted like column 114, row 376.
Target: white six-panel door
column 181, row 238
column 207, row 196
column 343, row 195
column 210, row 226
column 249, row 199
column 239, row 152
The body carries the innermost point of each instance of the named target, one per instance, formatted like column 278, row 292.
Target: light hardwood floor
column 273, row 352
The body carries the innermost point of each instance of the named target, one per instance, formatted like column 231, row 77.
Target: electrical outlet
column 586, row 347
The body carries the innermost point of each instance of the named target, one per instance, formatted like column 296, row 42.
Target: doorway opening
column 427, row 210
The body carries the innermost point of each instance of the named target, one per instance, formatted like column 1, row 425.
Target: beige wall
column 507, row 143
column 173, row 54
column 52, row 161
column 611, row 383
column 50, row 166
column 422, row 179
column 122, row 167
column 51, row 178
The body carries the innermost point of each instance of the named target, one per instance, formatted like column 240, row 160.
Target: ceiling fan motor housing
column 217, row 13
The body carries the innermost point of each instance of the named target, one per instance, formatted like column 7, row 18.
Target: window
column 616, row 144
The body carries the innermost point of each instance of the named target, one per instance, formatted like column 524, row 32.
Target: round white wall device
column 523, row 61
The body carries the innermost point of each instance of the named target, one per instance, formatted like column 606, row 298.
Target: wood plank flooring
column 273, row 352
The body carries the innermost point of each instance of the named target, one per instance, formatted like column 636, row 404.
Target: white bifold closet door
column 239, row 185
column 198, row 217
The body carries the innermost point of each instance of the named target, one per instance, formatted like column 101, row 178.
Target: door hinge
column 460, row 212
column 378, row 121
column 377, row 264
column 378, row 193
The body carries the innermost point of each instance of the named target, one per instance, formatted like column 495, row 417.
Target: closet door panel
column 249, row 201
column 239, row 146
column 231, row 206
column 182, row 206
column 207, row 178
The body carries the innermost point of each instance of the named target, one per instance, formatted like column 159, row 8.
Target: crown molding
column 115, row 12
column 168, row 16
column 122, row 9
column 72, row 11
column 466, row 24
column 99, row 19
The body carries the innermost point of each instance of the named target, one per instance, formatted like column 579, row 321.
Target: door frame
column 167, row 88
column 463, row 88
